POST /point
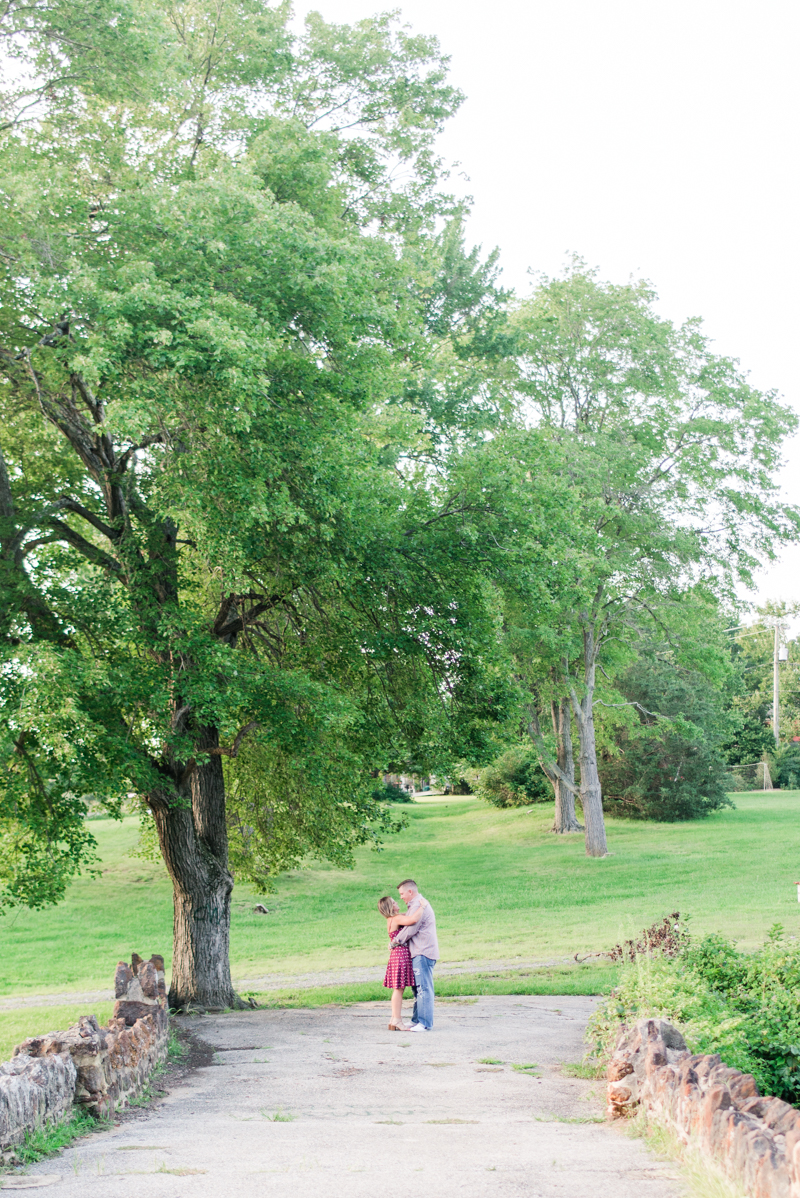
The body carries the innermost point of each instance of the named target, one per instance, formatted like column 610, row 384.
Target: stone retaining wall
column 33, row 1093
column 718, row 1110
column 97, row 1068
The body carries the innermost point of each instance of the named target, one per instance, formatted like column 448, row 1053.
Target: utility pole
column 776, row 686
column 780, row 653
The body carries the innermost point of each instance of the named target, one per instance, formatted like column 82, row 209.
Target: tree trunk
column 194, row 842
column 565, row 819
column 590, row 792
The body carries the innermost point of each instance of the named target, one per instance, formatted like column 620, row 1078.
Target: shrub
column 787, row 765
column 667, row 766
column 390, row 792
column 744, row 1006
column 515, row 779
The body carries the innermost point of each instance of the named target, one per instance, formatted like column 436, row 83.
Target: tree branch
column 71, row 505
column 97, row 556
column 156, row 439
column 233, row 751
column 229, row 625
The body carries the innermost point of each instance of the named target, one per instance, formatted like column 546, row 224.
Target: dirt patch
column 177, row 1071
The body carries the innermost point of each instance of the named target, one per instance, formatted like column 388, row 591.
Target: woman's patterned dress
column 399, row 971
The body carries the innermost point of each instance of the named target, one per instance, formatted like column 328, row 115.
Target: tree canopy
column 219, row 280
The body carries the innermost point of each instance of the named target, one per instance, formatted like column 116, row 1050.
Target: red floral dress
column 399, row 971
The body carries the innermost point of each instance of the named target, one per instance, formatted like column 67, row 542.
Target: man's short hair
column 408, row 882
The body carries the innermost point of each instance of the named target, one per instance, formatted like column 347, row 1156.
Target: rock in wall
column 755, row 1140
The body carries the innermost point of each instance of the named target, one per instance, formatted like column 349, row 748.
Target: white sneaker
column 419, row 1027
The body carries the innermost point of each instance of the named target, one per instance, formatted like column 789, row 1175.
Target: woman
column 399, row 971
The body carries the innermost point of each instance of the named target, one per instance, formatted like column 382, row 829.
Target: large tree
column 671, row 454
column 226, row 264
column 639, row 471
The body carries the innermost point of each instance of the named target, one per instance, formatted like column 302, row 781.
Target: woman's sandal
column 398, row 1027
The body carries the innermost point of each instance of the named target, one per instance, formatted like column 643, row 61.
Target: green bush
column 787, row 765
column 515, row 779
column 744, row 1006
column 390, row 792
column 666, row 766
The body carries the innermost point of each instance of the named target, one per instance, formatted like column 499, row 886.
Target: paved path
column 306, row 1103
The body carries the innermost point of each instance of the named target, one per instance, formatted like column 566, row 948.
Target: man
column 424, row 948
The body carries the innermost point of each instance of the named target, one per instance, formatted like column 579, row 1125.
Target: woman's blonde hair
column 386, row 906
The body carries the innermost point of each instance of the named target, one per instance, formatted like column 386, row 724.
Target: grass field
column 502, row 885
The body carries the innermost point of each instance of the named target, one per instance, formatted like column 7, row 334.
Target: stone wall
column 97, row 1068
column 34, row 1093
column 719, row 1111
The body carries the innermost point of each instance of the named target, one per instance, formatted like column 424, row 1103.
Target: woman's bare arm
column 404, row 921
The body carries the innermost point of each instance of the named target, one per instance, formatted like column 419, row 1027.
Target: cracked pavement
column 302, row 1102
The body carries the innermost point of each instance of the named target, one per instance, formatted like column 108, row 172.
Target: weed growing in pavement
column 49, row 1141
column 491, row 1061
column 147, row 1095
column 280, row 1116
column 177, row 1049
column 591, row 1072
column 181, row 1172
column 527, row 1069
column 554, row 1118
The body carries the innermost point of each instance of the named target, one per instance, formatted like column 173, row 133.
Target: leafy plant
column 666, row 762
column 787, row 765
column 744, row 1006
column 390, row 792
column 515, row 779
column 177, row 1049
column 49, row 1141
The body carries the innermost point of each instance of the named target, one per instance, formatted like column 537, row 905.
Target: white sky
column 655, row 139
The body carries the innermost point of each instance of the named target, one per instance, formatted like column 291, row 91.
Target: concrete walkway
column 328, row 1102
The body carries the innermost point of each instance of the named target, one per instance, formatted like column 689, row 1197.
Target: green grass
column 51, row 1140
column 503, row 886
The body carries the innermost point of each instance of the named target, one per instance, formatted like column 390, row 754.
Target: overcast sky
column 654, row 139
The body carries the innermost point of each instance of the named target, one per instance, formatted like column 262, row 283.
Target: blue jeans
column 423, row 991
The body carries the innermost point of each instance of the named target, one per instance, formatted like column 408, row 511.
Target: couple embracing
column 413, row 954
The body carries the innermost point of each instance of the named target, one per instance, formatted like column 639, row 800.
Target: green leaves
column 684, row 433
column 217, row 293
column 742, row 1005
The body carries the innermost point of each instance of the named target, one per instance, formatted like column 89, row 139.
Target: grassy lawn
column 502, row 885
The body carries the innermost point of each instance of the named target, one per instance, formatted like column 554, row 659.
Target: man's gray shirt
column 420, row 937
